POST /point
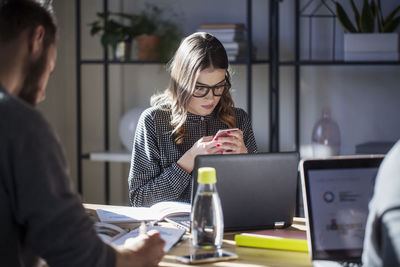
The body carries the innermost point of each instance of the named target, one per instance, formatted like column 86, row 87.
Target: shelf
column 106, row 62
column 100, row 61
column 109, row 156
column 138, row 62
column 337, row 62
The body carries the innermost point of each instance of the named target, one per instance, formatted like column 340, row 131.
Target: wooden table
column 248, row 257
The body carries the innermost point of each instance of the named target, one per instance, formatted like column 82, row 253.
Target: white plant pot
column 371, row 46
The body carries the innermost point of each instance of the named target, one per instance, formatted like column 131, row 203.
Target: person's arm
column 55, row 225
column 149, row 183
column 145, row 250
column 244, row 123
column 390, row 238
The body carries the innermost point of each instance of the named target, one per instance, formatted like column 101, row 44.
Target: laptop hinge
column 279, row 224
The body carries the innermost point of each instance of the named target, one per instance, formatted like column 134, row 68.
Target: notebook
column 336, row 193
column 257, row 191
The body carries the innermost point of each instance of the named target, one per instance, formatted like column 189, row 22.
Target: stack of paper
column 157, row 212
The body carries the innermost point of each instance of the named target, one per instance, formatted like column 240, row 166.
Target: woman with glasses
column 183, row 122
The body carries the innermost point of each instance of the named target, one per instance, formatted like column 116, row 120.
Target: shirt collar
column 194, row 117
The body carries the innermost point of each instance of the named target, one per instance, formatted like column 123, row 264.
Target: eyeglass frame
column 227, row 86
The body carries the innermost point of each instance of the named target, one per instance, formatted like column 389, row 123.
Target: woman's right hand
column 204, row 146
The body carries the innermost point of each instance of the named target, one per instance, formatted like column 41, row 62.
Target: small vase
column 122, row 51
column 127, row 126
column 148, row 47
column 326, row 136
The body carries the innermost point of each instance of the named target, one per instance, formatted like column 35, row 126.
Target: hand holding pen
column 143, row 228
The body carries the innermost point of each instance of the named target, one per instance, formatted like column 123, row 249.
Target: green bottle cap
column 206, row 175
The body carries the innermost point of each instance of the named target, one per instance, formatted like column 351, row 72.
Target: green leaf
column 379, row 17
column 379, row 12
column 373, row 8
column 344, row 19
column 391, row 16
column 95, row 29
column 392, row 25
column 356, row 14
column 367, row 19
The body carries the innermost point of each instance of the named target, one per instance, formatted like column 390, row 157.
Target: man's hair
column 17, row 16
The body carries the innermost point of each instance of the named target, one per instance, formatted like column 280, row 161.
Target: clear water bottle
column 326, row 136
column 207, row 218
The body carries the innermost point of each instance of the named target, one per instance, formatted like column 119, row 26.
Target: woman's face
column 210, row 77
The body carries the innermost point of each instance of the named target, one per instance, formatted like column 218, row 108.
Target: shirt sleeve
column 55, row 224
column 247, row 129
column 390, row 239
column 149, row 181
column 382, row 234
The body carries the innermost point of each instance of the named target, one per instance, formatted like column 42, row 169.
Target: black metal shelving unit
column 298, row 63
column 274, row 62
column 274, row 86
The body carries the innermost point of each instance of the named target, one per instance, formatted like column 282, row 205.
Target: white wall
column 363, row 99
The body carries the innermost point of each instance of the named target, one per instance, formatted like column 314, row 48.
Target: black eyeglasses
column 217, row 90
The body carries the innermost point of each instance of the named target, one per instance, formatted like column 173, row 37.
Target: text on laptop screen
column 339, row 206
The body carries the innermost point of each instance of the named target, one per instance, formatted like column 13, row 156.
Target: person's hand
column 231, row 142
column 142, row 251
column 204, row 146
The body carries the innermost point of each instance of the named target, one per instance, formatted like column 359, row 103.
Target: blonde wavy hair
column 196, row 52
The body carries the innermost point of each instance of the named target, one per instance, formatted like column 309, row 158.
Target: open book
column 157, row 212
column 115, row 235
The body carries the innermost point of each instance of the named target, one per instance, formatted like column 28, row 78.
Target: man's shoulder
column 19, row 116
column 387, row 183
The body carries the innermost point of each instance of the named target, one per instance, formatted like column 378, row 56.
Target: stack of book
column 232, row 36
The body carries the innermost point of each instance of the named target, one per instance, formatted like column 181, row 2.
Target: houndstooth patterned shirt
column 155, row 175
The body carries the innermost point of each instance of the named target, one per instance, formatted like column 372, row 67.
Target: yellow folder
column 283, row 239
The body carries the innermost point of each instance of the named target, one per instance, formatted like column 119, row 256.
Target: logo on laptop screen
column 328, row 197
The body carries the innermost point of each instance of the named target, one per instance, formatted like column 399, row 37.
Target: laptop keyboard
column 182, row 222
column 350, row 264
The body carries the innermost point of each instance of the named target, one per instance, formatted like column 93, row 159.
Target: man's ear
column 36, row 39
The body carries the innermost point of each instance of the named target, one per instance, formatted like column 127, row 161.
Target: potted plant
column 114, row 34
column 157, row 38
column 372, row 36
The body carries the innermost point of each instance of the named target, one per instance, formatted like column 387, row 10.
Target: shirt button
column 202, row 118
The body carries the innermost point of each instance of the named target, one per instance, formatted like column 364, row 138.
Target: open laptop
column 257, row 191
column 336, row 193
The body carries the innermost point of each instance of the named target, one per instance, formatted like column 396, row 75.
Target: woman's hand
column 204, row 146
column 231, row 142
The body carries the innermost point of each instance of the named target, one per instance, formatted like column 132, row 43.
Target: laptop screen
column 338, row 192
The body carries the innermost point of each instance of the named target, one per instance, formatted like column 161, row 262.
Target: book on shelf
column 223, row 26
column 225, row 34
column 157, row 212
column 236, row 58
column 115, row 235
column 234, row 46
column 284, row 239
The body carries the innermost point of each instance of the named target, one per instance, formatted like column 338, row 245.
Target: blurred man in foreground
column 40, row 214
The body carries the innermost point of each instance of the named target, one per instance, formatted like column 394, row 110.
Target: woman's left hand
column 232, row 143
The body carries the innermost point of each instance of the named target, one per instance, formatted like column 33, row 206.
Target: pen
column 143, row 228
